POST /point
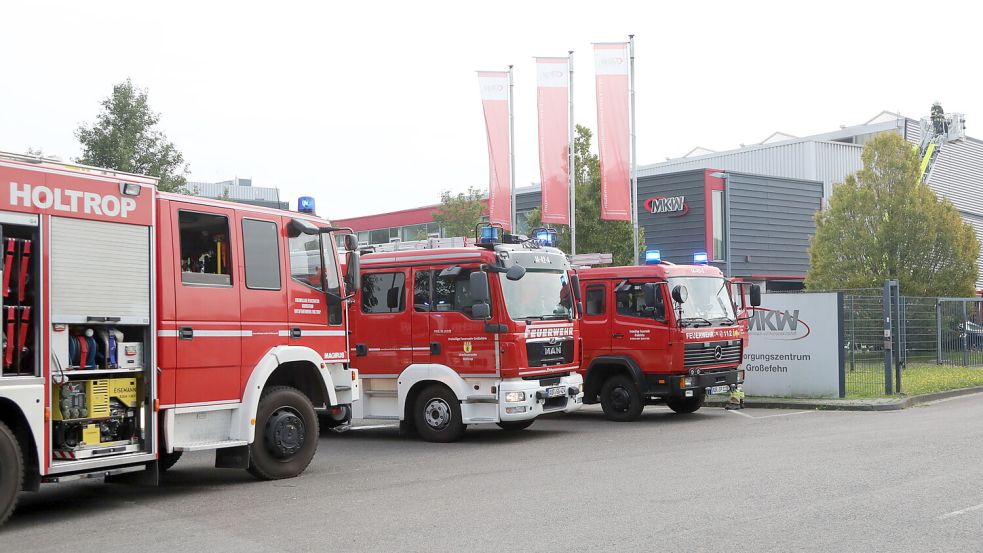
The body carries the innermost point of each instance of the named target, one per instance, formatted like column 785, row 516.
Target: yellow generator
column 94, row 412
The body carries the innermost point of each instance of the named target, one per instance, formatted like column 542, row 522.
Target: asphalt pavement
column 752, row 480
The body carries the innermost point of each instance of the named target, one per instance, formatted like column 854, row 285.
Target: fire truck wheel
column 167, row 460
column 438, row 415
column 684, row 405
column 515, row 426
column 621, row 399
column 11, row 471
column 286, row 434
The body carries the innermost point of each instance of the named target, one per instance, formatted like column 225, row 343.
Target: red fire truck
column 660, row 333
column 446, row 335
column 139, row 325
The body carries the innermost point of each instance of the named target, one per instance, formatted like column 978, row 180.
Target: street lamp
column 726, row 177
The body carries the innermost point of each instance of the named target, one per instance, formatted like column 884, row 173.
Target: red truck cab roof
column 661, row 271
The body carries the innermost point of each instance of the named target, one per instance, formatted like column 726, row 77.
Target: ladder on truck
column 935, row 134
column 397, row 245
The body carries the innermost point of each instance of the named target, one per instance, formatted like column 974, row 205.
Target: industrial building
column 238, row 190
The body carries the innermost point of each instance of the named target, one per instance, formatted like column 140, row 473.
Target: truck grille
column 544, row 354
column 707, row 353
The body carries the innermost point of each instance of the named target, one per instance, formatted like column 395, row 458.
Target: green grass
column 917, row 378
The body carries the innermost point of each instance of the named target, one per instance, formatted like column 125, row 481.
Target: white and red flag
column 611, row 70
column 494, row 87
column 553, row 87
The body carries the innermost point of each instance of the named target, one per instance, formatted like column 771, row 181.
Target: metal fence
column 893, row 343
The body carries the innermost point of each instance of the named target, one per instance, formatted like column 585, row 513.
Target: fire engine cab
column 138, row 325
column 445, row 335
column 660, row 333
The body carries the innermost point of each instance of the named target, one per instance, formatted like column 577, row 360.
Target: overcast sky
column 373, row 106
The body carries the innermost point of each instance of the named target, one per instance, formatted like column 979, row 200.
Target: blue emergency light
column 305, row 204
column 488, row 235
column 700, row 258
column 545, row 236
column 653, row 257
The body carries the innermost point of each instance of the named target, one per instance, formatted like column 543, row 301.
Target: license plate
column 718, row 389
column 556, row 391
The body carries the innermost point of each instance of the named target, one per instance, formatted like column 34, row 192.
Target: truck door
column 383, row 334
column 263, row 294
column 207, row 308
column 456, row 339
column 639, row 331
column 596, row 323
column 420, row 316
column 314, row 314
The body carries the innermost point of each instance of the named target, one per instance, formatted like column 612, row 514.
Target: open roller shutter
column 99, row 269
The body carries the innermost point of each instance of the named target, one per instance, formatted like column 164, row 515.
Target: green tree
column 458, row 215
column 883, row 223
column 594, row 235
column 125, row 138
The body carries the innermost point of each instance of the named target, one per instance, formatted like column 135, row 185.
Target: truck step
column 210, row 444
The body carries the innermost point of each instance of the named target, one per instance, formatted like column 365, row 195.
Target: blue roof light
column 653, row 257
column 700, row 258
column 305, row 204
column 489, row 235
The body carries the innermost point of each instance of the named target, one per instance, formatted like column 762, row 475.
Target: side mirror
column 680, row 294
column 481, row 311
column 515, row 272
column 755, row 295
column 300, row 226
column 575, row 282
column 351, row 242
column 479, row 287
column 649, row 291
column 353, row 275
column 392, row 298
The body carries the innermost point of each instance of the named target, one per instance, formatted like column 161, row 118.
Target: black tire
column 621, row 399
column 515, row 426
column 167, row 460
column 437, row 414
column 686, row 405
column 286, row 434
column 11, row 472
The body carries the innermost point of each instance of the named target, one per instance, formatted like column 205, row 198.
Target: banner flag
column 611, row 70
column 553, row 80
column 494, row 87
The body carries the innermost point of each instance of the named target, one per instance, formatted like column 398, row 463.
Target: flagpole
column 511, row 156
column 634, row 161
column 571, row 175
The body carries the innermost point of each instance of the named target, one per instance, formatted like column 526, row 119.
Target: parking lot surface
column 754, row 480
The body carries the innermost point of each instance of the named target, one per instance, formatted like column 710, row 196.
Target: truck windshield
column 540, row 295
column 708, row 303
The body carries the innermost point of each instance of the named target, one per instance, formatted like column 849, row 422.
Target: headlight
column 689, row 382
column 515, row 397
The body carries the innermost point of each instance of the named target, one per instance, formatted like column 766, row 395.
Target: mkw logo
column 778, row 325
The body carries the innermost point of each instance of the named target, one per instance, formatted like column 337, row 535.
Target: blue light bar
column 546, row 237
column 305, row 204
column 489, row 235
column 700, row 258
column 653, row 257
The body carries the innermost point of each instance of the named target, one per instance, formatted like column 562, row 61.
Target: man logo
column 467, row 347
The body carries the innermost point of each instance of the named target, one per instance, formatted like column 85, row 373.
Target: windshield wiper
column 687, row 320
column 726, row 320
column 556, row 317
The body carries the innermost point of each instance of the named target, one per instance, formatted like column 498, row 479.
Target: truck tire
column 685, row 405
column 515, row 426
column 621, row 399
column 286, row 434
column 11, row 472
column 437, row 414
column 167, row 460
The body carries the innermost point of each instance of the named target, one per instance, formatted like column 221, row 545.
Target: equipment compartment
column 18, row 309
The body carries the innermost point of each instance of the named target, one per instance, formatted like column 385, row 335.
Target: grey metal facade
column 772, row 223
column 676, row 236
column 248, row 194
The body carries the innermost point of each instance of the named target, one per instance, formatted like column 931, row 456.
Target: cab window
column 631, row 302
column 205, row 256
column 383, row 292
column 594, row 300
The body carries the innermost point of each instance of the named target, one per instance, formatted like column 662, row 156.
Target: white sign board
column 794, row 347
